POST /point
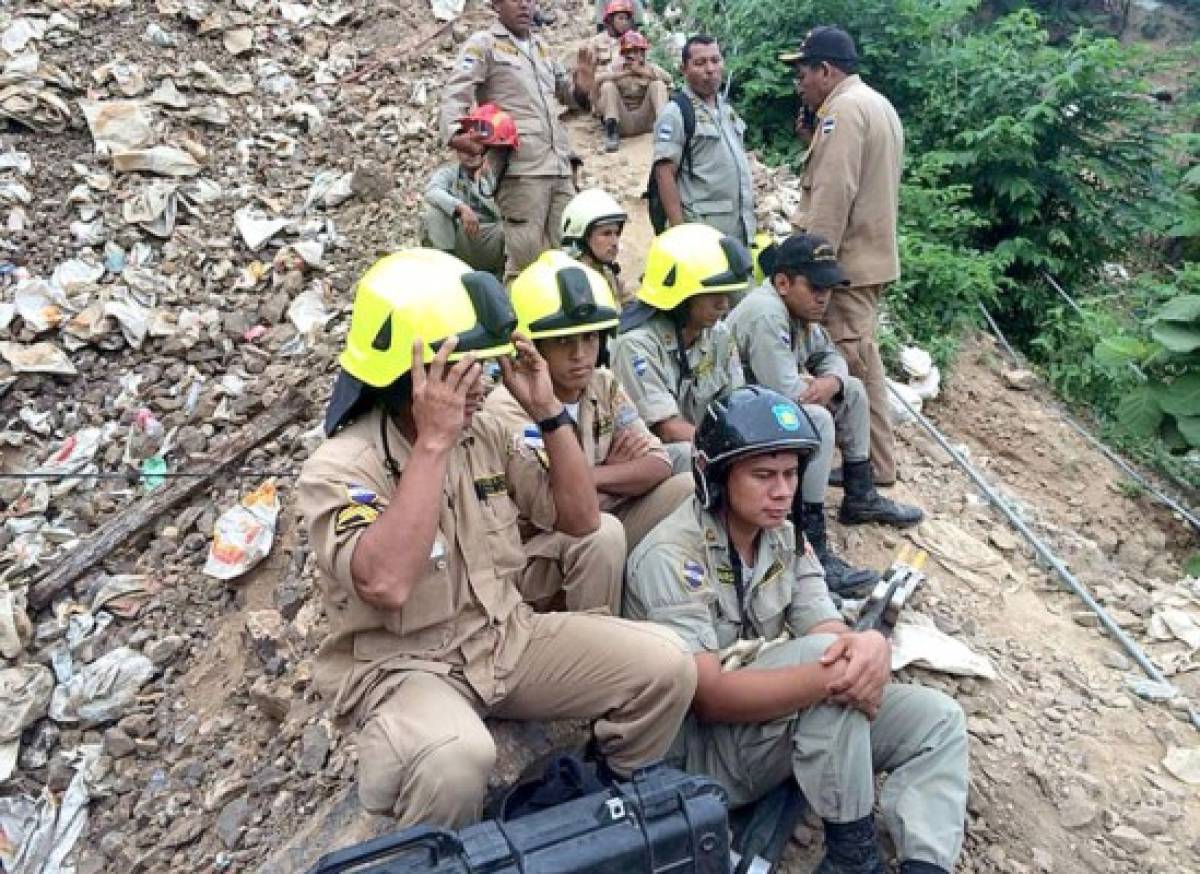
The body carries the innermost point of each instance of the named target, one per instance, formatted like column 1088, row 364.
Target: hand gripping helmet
column 556, row 296
column 416, row 293
column 588, row 208
column 497, row 126
column 631, row 41
column 742, row 423
column 615, row 6
column 692, row 259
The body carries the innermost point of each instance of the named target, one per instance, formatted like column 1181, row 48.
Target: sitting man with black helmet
column 808, row 699
column 411, row 509
column 568, row 310
column 592, row 225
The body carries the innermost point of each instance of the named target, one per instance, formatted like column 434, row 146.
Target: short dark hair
column 700, row 39
column 846, row 65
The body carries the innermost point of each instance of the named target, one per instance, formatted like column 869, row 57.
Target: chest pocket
column 503, row 537
column 769, row 602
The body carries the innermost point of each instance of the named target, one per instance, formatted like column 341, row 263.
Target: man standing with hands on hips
column 851, row 192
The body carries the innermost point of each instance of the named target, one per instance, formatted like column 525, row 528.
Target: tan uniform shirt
column 682, row 576
column 605, row 49
column 780, row 352
column 851, row 182
column 646, row 361
column 460, row 616
column 633, row 88
column 492, row 68
column 604, row 411
column 718, row 188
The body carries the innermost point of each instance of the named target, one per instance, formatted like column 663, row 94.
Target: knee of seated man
column 822, row 421
column 451, row 772
column 853, row 391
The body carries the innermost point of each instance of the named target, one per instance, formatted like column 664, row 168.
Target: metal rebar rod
column 1095, row 442
column 1073, row 584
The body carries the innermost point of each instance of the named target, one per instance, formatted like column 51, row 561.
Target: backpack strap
column 688, row 112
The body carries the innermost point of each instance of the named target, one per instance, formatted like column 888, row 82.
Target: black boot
column 851, row 848
column 839, row 576
column 612, row 135
column 914, row 867
column 863, row 504
column 835, row 477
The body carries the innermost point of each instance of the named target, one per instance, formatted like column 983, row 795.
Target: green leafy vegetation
column 1035, row 147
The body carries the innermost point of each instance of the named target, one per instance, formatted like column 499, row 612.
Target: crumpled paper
column 103, row 690
column 243, row 534
column 917, row 641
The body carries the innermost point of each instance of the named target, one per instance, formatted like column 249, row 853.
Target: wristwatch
column 555, row 422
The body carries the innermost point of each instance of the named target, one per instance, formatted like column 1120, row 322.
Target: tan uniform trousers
column 851, row 320
column 641, row 514
column 833, row 752
column 531, row 209
column 425, row 753
column 632, row 122
column 585, row 572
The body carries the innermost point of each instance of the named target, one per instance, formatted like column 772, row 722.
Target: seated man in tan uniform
column 598, row 52
column 567, row 309
column 411, row 511
column 785, row 690
column 631, row 92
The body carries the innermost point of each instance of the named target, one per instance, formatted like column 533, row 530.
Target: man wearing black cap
column 851, row 187
column 782, row 346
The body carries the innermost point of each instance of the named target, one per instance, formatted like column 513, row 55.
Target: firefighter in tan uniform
column 851, row 193
column 568, row 310
column 511, row 67
column 631, row 93
column 674, row 354
column 785, row 690
column 411, row 516
column 591, row 231
column 598, row 52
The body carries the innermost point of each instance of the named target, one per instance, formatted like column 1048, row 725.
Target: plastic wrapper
column 102, row 691
column 243, row 534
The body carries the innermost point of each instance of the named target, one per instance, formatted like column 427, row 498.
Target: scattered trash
column 917, row 641
column 242, row 535
column 39, row 836
column 37, row 358
column 15, row 629
column 160, row 160
column 1182, row 625
column 329, row 189
column 103, row 690
column 447, row 10
column 1184, row 764
column 1019, row 380
column 124, row 595
column 24, row 696
column 257, row 228
column 308, row 313
column 117, row 125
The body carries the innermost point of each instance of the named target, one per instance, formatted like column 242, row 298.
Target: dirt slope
column 225, row 760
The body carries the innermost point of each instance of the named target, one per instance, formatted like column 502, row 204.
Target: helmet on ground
column 416, row 293
column 615, row 6
column 588, row 208
column 689, row 260
column 556, row 296
column 762, row 252
column 745, row 422
column 497, row 126
column 631, row 41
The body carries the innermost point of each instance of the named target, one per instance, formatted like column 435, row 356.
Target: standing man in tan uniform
column 411, row 510
column 851, row 188
column 632, row 92
column 568, row 311
column 510, row 66
column 785, row 690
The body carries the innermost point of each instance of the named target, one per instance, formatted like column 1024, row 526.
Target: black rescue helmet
column 746, row 421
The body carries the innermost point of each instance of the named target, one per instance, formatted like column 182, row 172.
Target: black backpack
column 658, row 215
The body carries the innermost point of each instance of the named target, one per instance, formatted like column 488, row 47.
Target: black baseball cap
column 822, row 44
column 813, row 257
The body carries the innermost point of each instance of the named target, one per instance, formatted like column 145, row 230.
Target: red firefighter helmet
column 632, row 41
column 615, row 6
column 497, row 126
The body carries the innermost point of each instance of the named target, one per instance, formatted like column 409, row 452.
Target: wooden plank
column 127, row 522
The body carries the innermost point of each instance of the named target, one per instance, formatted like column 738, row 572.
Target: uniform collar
column 687, row 89
column 500, row 30
column 841, row 88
